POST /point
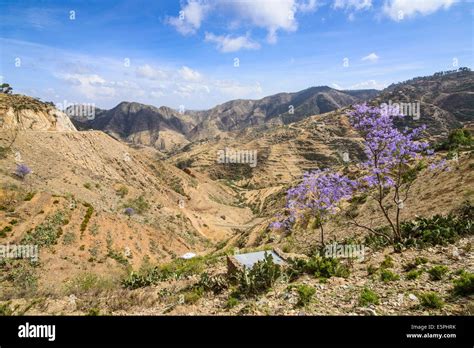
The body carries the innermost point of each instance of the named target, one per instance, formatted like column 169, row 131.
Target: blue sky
column 185, row 52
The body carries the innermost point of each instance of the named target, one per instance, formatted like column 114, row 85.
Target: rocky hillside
column 25, row 113
column 101, row 204
column 446, row 101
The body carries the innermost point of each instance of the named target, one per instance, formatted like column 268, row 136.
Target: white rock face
column 42, row 120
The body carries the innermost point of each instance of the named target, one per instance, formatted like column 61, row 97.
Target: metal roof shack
column 248, row 260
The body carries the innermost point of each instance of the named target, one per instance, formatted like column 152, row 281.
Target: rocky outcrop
column 18, row 112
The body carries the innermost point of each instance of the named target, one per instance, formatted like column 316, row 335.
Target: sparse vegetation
column 305, row 294
column 29, row 196
column 86, row 282
column 367, row 297
column 122, row 191
column 464, row 285
column 388, row 276
column 320, row 267
column 48, row 232
column 387, row 262
column 438, row 272
column 87, row 216
column 431, row 300
column 139, row 205
column 216, row 283
column 259, row 279
column 414, row 274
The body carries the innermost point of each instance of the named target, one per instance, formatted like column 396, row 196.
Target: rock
column 366, row 311
column 72, row 300
column 455, row 253
column 413, row 297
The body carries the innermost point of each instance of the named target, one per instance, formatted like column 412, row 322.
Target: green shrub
column 431, row 300
column 48, row 232
column 86, row 282
column 464, row 285
column 5, row 309
column 117, row 256
column 305, row 294
column 23, row 276
column 387, row 262
column 367, row 297
column 260, row 278
column 388, row 276
column 193, row 295
column 421, row 261
column 232, row 302
column 176, row 269
column 5, row 230
column 456, row 139
column 93, row 312
column 320, row 267
column 69, row 238
column 122, row 191
column 87, row 216
column 438, row 272
column 29, row 196
column 437, row 230
column 139, row 205
column 414, row 274
column 216, row 284
column 371, row 269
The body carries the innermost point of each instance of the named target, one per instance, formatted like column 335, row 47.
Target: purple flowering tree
column 316, row 197
column 22, row 170
column 129, row 211
column 391, row 156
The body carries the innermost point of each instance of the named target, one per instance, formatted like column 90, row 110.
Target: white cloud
column 226, row 43
column 188, row 89
column 149, row 72
column 189, row 74
column 91, row 86
column 279, row 15
column 190, row 17
column 371, row 57
column 370, row 84
column 235, row 90
column 356, row 5
column 400, row 9
column 273, row 16
column 307, row 6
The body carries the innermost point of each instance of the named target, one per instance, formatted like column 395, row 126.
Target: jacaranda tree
column 391, row 162
column 388, row 173
column 316, row 198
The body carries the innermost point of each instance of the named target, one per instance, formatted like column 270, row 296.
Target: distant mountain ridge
column 446, row 101
column 165, row 128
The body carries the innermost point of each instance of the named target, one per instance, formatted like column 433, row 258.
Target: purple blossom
column 387, row 148
column 22, row 170
column 129, row 211
column 317, row 195
column 441, row 166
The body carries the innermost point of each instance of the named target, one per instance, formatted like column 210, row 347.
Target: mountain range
column 138, row 185
column 167, row 129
